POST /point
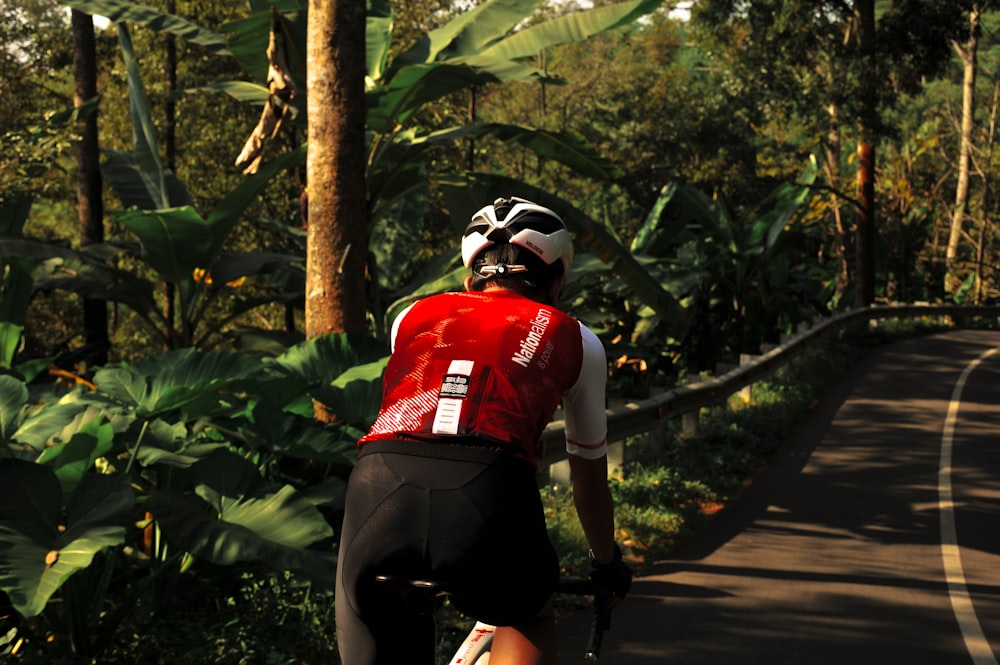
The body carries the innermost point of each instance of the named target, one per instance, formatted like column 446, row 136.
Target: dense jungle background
column 179, row 401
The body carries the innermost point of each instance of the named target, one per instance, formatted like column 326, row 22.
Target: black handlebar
column 601, row 620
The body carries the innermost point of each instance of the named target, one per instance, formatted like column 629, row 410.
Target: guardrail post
column 689, row 423
column 559, row 473
column 746, row 392
column 656, row 438
column 616, row 458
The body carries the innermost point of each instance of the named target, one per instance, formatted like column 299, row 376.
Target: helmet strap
column 501, row 269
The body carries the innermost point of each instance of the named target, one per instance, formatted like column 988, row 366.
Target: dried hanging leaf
column 282, row 89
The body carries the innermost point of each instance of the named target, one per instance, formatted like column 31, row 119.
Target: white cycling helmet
column 519, row 222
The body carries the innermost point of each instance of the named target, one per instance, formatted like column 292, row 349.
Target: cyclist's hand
column 615, row 577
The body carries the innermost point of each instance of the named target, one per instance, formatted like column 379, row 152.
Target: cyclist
column 445, row 484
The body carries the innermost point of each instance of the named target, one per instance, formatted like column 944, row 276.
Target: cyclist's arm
column 594, row 505
column 587, row 447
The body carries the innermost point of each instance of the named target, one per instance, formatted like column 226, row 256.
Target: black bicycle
column 425, row 597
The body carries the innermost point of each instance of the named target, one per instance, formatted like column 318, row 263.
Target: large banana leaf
column 131, row 185
column 44, row 539
column 243, row 91
column 178, row 240
column 10, row 339
column 400, row 168
column 443, row 274
column 378, row 38
column 482, row 39
column 395, row 235
column 677, row 210
column 566, row 147
column 228, row 211
column 147, row 157
column 778, row 209
column 229, row 267
column 572, row 27
column 413, row 87
column 175, row 240
column 118, row 11
column 80, row 273
column 470, row 32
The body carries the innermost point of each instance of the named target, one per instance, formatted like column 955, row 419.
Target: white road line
column 961, row 603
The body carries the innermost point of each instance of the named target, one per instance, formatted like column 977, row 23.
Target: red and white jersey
column 493, row 365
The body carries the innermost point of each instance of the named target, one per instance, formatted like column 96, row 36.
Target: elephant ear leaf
column 241, row 519
column 13, row 397
column 40, row 548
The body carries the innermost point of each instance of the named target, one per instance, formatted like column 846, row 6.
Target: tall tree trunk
column 337, row 237
column 88, row 175
column 170, row 108
column 969, row 56
column 865, row 14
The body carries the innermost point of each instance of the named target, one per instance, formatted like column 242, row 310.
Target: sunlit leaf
column 129, row 10
column 244, row 520
column 76, row 457
column 13, row 398
column 575, row 26
column 182, row 379
column 175, row 241
column 40, row 546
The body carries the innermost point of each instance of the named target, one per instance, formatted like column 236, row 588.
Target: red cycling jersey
column 493, row 365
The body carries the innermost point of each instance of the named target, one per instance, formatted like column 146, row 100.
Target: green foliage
column 214, row 616
column 16, row 279
column 475, row 49
column 220, row 452
column 41, row 548
column 741, row 281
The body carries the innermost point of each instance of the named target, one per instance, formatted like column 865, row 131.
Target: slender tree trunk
column 470, row 155
column 832, row 167
column 984, row 209
column 969, row 56
column 865, row 13
column 171, row 146
column 88, row 190
column 337, row 237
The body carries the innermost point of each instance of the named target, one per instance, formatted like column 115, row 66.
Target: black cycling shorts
column 467, row 516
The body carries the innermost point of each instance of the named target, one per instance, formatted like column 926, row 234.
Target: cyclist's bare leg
column 529, row 643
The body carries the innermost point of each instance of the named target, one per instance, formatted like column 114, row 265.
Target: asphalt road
column 848, row 551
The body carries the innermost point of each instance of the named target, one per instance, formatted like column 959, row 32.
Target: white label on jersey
column 454, row 389
column 447, row 416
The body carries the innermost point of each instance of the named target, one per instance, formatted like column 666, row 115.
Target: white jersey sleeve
column 584, row 404
column 395, row 327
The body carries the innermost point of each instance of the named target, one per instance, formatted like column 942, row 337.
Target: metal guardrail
column 647, row 415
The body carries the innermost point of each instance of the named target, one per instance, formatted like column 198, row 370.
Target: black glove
column 615, row 576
